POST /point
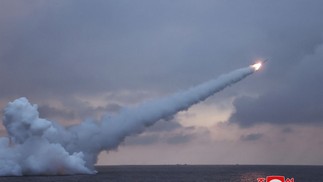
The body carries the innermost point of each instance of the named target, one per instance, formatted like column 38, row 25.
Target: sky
column 81, row 59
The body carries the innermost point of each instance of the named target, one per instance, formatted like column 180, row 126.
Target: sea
column 186, row 173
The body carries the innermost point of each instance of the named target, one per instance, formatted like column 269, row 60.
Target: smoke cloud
column 37, row 146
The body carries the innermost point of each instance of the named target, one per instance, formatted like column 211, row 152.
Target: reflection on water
column 251, row 176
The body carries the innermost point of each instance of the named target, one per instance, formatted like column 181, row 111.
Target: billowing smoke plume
column 38, row 146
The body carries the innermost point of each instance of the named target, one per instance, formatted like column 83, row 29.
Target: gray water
column 200, row 173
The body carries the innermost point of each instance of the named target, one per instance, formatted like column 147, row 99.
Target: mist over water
column 38, row 146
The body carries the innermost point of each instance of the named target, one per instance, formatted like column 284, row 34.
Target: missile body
column 265, row 61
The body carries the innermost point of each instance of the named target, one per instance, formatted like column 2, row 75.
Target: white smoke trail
column 38, row 146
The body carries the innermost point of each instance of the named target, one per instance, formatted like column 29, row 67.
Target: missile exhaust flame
column 257, row 66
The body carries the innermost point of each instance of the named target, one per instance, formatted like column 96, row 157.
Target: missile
column 265, row 60
column 258, row 64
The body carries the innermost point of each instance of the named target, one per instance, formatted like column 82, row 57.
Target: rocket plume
column 36, row 146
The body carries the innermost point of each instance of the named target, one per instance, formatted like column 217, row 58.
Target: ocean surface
column 199, row 173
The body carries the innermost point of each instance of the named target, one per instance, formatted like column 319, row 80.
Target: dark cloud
column 169, row 125
column 169, row 132
column 251, row 137
column 51, row 49
column 61, row 48
column 109, row 108
column 287, row 130
column 77, row 110
column 180, row 138
column 146, row 139
column 173, row 138
column 46, row 111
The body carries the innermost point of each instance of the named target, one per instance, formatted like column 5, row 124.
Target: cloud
column 143, row 139
column 167, row 132
column 251, row 137
column 155, row 134
column 59, row 49
column 46, row 111
column 287, row 130
column 168, row 126
column 180, row 139
column 172, row 138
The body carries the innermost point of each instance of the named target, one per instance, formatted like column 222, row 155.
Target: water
column 200, row 173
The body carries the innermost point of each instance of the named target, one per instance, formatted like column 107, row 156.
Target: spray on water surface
column 37, row 146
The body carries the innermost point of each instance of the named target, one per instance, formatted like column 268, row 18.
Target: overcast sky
column 80, row 59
